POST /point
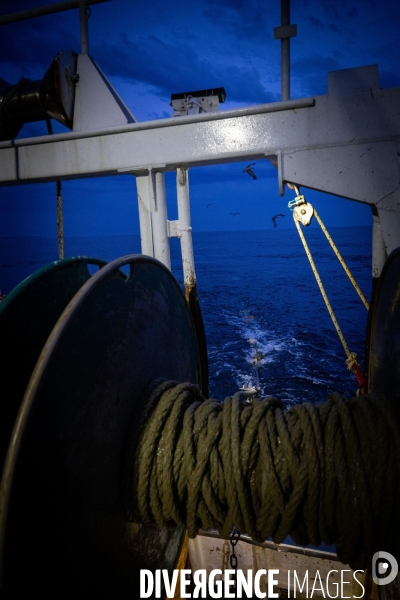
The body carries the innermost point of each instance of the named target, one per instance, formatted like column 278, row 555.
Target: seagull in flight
column 275, row 217
column 250, row 171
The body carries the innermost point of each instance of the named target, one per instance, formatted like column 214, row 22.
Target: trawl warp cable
column 319, row 473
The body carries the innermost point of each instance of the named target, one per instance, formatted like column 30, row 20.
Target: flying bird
column 275, row 217
column 250, row 171
column 234, row 214
column 209, row 204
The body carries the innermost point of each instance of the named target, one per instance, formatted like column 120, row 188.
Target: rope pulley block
column 61, row 508
column 303, row 212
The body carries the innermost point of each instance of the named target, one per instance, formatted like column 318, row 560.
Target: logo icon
column 384, row 568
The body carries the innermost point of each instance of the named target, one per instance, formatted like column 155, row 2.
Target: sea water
column 259, row 298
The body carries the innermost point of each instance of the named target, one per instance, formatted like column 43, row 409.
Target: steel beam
column 40, row 11
column 185, row 229
column 145, row 206
column 159, row 222
column 342, row 145
column 345, row 144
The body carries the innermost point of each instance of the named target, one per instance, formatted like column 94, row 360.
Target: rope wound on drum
column 320, row 473
column 303, row 212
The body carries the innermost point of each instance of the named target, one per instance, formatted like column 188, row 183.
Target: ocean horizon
column 257, row 294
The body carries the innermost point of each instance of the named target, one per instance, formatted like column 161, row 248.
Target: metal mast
column 284, row 33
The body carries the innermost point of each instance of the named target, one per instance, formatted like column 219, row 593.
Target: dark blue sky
column 151, row 49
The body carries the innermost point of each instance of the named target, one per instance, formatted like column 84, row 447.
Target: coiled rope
column 325, row 473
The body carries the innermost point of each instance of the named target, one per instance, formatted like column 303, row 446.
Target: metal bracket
column 152, row 190
column 303, row 212
column 173, row 229
column 284, row 32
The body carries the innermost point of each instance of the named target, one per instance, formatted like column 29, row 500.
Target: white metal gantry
column 346, row 143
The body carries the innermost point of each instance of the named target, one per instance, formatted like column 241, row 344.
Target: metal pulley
column 51, row 97
column 62, row 491
column 303, row 211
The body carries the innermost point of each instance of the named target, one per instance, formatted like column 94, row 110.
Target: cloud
column 311, row 72
column 315, row 21
column 172, row 67
column 30, row 46
column 332, row 10
column 219, row 43
column 389, row 79
column 246, row 19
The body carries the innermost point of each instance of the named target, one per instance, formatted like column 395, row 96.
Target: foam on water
column 252, row 286
column 275, row 302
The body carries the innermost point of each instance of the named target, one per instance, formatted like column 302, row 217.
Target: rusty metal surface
column 384, row 342
column 59, row 87
column 64, row 465
column 195, row 310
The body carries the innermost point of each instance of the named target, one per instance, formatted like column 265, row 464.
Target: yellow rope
column 321, row 287
column 181, row 565
column 341, row 260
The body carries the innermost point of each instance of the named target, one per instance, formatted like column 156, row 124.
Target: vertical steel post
column 159, row 221
column 189, row 275
column 143, row 185
column 84, row 14
column 185, row 229
column 285, row 51
column 284, row 32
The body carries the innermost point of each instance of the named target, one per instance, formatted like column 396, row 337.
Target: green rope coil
column 319, row 473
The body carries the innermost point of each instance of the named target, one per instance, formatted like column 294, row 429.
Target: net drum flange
column 62, row 521
column 384, row 335
column 27, row 316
